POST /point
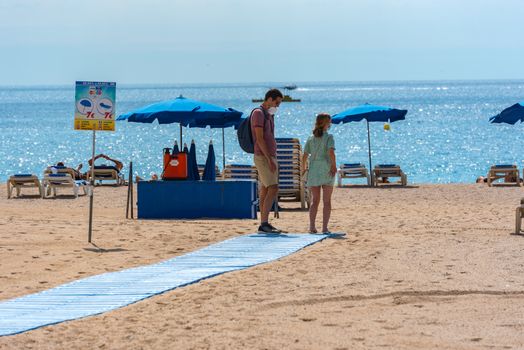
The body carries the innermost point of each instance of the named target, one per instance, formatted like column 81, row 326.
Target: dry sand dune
column 423, row 267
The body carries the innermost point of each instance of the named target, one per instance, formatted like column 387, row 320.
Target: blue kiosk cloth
column 97, row 294
column 228, row 199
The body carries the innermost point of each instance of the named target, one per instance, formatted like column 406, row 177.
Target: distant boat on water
column 286, row 98
column 290, row 87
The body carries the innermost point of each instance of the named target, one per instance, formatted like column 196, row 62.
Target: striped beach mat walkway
column 109, row 291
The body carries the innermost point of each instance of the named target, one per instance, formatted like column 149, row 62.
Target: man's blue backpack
column 245, row 137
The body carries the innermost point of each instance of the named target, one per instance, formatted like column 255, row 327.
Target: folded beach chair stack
column 290, row 185
column 381, row 171
column 508, row 173
column 353, row 171
column 106, row 173
column 240, row 171
column 20, row 181
column 52, row 182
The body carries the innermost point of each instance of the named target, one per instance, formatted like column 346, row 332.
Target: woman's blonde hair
column 322, row 120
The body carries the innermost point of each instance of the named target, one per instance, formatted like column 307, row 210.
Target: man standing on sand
column 263, row 131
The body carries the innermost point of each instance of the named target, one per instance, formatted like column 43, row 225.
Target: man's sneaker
column 275, row 230
column 267, row 228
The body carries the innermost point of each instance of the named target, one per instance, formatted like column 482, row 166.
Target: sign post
column 94, row 110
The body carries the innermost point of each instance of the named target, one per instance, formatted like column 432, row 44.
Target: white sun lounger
column 52, row 182
column 106, row 173
column 509, row 173
column 382, row 171
column 353, row 171
column 56, row 169
column 20, row 181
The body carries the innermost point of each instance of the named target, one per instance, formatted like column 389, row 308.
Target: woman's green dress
column 319, row 162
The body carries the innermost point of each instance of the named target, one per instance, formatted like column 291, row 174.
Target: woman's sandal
column 313, row 231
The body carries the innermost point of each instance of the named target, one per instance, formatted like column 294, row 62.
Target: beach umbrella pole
column 181, row 144
column 223, row 151
column 369, row 154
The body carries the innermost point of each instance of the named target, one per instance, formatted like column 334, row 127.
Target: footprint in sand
column 307, row 319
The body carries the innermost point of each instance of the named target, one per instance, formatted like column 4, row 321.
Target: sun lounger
column 52, row 182
column 353, row 171
column 381, row 171
column 106, row 173
column 240, row 171
column 20, row 181
column 509, row 173
column 57, row 169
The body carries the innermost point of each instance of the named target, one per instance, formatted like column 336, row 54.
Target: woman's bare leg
column 326, row 197
column 313, row 209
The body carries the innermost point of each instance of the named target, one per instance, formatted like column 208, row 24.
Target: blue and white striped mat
column 109, row 291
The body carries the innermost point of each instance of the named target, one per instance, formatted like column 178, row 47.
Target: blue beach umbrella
column 369, row 113
column 186, row 112
column 189, row 169
column 510, row 115
column 192, row 165
column 175, row 149
column 209, row 169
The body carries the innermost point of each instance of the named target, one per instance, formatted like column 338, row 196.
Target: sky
column 48, row 42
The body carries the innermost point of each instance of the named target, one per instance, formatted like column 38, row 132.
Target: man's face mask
column 272, row 110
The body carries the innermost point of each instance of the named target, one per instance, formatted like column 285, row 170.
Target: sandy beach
column 422, row 267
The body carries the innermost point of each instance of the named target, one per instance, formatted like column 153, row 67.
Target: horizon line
column 265, row 83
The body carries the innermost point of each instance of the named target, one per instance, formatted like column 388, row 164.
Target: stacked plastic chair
column 240, row 171
column 291, row 185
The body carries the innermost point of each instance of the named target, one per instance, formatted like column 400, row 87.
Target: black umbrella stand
column 129, row 204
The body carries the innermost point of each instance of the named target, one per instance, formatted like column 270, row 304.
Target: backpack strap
column 266, row 116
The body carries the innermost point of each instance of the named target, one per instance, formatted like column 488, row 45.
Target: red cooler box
column 175, row 166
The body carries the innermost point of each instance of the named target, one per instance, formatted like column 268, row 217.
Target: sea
column 445, row 138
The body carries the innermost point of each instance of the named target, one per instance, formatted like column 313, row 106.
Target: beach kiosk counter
column 223, row 199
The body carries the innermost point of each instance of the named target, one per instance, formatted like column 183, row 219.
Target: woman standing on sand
column 320, row 151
